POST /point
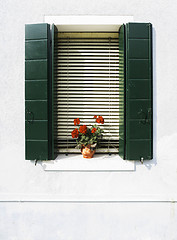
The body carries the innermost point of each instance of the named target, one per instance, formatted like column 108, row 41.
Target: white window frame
column 100, row 162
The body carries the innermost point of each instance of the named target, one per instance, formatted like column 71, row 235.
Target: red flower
column 100, row 119
column 75, row 133
column 95, row 116
column 76, row 121
column 83, row 129
column 93, row 130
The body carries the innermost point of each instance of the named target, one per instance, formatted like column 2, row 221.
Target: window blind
column 86, row 83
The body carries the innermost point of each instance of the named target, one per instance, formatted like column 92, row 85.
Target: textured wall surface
column 88, row 221
column 153, row 181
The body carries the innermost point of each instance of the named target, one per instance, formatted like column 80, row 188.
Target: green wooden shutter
column 138, row 94
column 38, row 132
column 53, row 104
column 122, row 90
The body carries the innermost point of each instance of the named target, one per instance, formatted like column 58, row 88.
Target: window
column 86, row 83
column 135, row 98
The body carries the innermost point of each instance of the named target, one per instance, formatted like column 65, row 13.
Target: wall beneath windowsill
column 150, row 181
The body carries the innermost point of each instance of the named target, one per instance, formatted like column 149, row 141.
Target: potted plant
column 88, row 137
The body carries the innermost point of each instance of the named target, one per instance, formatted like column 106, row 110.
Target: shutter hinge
column 35, row 162
column 142, row 160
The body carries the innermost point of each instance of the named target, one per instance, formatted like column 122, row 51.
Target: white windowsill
column 100, row 162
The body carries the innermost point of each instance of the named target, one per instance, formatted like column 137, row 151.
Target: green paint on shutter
column 36, row 149
column 34, row 107
column 36, row 69
column 37, row 78
column 36, row 130
column 36, row 31
column 138, row 97
column 36, row 90
column 122, row 94
column 36, row 49
column 51, row 94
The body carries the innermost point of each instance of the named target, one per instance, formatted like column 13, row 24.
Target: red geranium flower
column 75, row 133
column 100, row 119
column 93, row 130
column 83, row 129
column 95, row 116
column 76, row 121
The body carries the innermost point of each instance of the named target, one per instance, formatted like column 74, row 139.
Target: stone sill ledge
column 100, row 162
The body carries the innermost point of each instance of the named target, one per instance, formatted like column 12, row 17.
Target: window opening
column 86, row 83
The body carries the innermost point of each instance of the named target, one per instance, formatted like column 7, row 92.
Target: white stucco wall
column 36, row 204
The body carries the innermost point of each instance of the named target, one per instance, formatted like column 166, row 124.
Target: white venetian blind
column 86, row 84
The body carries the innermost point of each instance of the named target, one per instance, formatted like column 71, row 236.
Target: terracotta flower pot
column 87, row 152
